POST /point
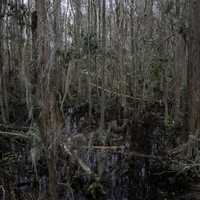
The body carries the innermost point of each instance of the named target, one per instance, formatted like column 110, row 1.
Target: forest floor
column 131, row 158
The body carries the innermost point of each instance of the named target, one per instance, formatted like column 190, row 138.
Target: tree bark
column 49, row 120
column 102, row 122
column 193, row 100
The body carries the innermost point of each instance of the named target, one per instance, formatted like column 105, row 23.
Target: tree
column 193, row 98
column 103, row 45
column 49, row 119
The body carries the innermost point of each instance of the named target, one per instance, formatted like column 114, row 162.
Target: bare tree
column 194, row 67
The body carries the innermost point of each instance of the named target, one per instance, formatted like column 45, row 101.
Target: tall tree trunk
column 194, row 67
column 3, row 110
column 57, row 25
column 3, row 114
column 50, row 121
column 77, row 40
column 104, row 63
column 178, row 70
column 133, row 89
column 89, row 30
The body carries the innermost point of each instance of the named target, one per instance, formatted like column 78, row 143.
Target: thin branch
column 15, row 134
column 81, row 163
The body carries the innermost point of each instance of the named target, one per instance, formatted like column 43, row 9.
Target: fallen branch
column 103, row 147
column 119, row 94
column 14, row 134
column 8, row 127
column 130, row 154
column 73, row 155
column 141, row 155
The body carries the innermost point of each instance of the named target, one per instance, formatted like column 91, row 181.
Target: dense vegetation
column 99, row 99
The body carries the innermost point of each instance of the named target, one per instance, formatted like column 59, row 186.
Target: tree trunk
column 104, row 64
column 50, row 121
column 194, row 67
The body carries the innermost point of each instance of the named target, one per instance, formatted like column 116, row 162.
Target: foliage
column 96, row 189
column 90, row 42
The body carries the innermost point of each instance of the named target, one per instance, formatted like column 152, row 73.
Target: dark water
column 119, row 175
column 125, row 177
